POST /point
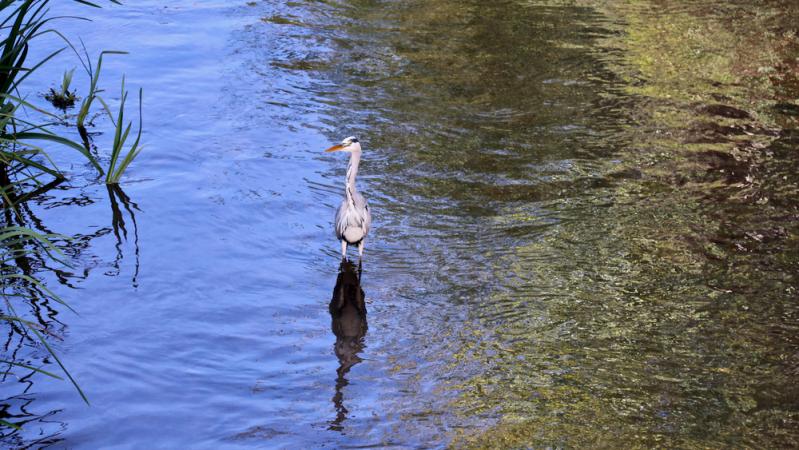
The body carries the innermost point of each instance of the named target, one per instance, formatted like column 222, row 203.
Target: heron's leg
column 360, row 248
column 343, row 249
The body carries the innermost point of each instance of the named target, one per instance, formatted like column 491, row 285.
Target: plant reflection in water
column 17, row 399
column 116, row 196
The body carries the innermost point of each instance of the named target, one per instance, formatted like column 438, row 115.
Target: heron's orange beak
column 334, row 148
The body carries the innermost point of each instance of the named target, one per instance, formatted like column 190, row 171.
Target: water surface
column 585, row 230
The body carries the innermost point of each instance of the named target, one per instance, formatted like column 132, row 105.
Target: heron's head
column 349, row 144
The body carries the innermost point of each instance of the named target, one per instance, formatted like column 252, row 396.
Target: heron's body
column 353, row 217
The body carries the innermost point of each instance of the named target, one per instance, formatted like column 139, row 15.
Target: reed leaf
column 43, row 241
column 21, row 137
column 66, row 81
column 38, row 284
column 52, row 353
column 9, row 424
column 29, row 367
column 94, row 77
column 116, row 167
column 23, row 162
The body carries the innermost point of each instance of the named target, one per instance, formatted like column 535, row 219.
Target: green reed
column 116, row 167
column 18, row 243
column 94, row 91
column 25, row 164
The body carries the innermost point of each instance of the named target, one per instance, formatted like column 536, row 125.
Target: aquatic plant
column 115, row 170
column 20, row 243
column 25, row 165
column 23, row 23
column 28, row 20
column 63, row 99
column 116, row 167
column 93, row 93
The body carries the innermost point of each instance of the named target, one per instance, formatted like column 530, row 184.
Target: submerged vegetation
column 681, row 335
column 635, row 164
column 27, row 168
column 63, row 98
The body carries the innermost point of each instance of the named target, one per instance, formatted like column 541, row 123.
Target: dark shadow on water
column 348, row 311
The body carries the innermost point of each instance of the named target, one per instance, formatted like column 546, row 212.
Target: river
column 585, row 229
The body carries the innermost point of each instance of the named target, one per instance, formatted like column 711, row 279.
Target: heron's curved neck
column 352, row 171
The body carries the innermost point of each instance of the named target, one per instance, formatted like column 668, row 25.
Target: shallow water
column 585, row 230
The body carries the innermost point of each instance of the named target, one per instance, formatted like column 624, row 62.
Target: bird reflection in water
column 348, row 311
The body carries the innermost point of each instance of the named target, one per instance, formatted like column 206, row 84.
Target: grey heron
column 353, row 218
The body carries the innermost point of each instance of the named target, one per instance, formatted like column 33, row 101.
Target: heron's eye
column 349, row 140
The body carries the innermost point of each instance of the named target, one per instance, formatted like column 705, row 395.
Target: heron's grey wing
column 363, row 209
column 341, row 220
